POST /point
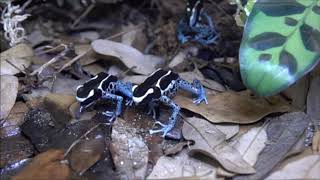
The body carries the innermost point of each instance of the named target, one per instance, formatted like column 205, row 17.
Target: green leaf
column 281, row 43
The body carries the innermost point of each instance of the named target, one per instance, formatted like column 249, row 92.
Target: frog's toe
column 164, row 129
column 109, row 113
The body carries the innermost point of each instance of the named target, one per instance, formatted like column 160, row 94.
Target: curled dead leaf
column 210, row 141
column 131, row 57
column 234, row 107
column 9, row 90
column 182, row 166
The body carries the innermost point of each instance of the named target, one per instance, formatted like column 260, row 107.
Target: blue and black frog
column 197, row 25
column 104, row 86
column 160, row 87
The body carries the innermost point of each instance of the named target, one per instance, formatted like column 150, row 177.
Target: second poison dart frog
column 196, row 25
column 104, row 86
column 160, row 87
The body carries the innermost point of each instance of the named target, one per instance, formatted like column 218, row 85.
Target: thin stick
column 124, row 32
column 50, row 50
column 81, row 137
column 73, row 60
column 53, row 60
column 13, row 65
column 84, row 14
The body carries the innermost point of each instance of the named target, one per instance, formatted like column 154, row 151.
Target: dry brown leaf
column 251, row 144
column 229, row 130
column 46, row 165
column 129, row 151
column 131, row 57
column 182, row 166
column 93, row 68
column 86, row 153
column 234, row 107
column 89, row 57
column 18, row 55
column 16, row 116
column 9, row 89
column 307, row 167
column 211, row 141
column 138, row 79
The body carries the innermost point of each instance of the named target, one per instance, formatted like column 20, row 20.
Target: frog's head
column 193, row 11
column 87, row 97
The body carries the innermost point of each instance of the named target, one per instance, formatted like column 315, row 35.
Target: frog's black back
column 148, row 83
column 92, row 84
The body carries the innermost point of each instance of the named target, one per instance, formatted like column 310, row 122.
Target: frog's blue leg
column 195, row 88
column 205, row 32
column 165, row 128
column 118, row 99
column 126, row 90
column 181, row 30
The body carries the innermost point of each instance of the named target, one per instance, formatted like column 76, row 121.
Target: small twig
column 13, row 65
column 84, row 14
column 73, row 60
column 124, row 32
column 50, row 50
column 53, row 60
column 81, row 137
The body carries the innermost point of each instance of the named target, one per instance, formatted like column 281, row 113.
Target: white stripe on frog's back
column 80, row 86
column 91, row 93
column 139, row 99
column 168, row 87
column 100, row 85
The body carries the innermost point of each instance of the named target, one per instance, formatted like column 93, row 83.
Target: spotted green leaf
column 281, row 43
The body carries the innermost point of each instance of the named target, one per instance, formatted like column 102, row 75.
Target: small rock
column 38, row 127
column 9, row 90
column 58, row 105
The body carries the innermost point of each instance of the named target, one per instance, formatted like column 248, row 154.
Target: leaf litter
column 236, row 135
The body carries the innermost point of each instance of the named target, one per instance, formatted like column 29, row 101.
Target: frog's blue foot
column 201, row 93
column 164, row 128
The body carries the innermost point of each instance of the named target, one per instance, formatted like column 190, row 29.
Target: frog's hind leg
column 195, row 88
column 165, row 128
column 116, row 98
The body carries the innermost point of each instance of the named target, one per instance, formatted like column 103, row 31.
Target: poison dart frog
column 104, row 86
column 196, row 25
column 160, row 87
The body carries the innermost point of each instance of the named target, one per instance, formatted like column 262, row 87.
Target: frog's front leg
column 195, row 88
column 126, row 90
column 165, row 128
column 118, row 99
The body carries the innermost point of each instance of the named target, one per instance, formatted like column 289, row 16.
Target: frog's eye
column 188, row 9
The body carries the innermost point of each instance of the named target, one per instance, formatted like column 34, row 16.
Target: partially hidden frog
column 160, row 87
column 107, row 87
column 197, row 25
